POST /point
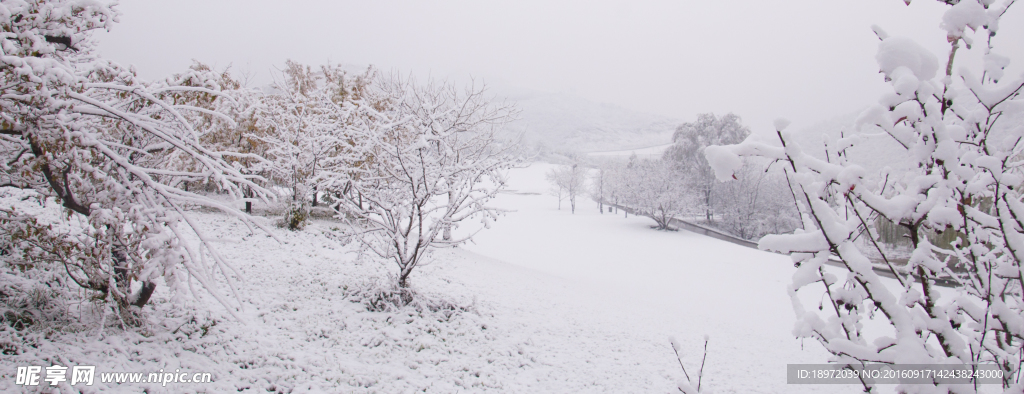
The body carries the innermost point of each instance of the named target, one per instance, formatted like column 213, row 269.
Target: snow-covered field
column 656, row 284
column 648, row 152
column 544, row 301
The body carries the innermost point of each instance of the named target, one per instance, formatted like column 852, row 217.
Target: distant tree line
column 681, row 184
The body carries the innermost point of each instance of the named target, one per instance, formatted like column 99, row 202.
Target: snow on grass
column 669, row 283
column 545, row 301
column 299, row 330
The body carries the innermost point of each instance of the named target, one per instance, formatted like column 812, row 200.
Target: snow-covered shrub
column 382, row 296
column 962, row 127
column 31, row 298
column 296, row 216
column 91, row 136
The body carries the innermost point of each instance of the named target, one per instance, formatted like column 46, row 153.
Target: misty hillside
column 559, row 121
column 874, row 152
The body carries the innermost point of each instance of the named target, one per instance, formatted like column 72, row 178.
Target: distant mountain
column 560, row 122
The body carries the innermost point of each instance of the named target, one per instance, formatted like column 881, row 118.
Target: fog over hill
column 875, row 151
column 558, row 122
column 561, row 121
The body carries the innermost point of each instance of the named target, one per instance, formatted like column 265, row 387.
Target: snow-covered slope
column 661, row 284
column 544, row 302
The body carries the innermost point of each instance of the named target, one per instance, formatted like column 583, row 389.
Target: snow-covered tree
column 618, row 182
column 757, row 202
column 303, row 124
column 241, row 137
column 689, row 141
column 95, row 139
column 962, row 128
column 651, row 188
column 600, row 185
column 656, row 192
column 431, row 159
column 568, row 181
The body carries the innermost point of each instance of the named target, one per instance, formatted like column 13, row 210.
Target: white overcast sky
column 806, row 60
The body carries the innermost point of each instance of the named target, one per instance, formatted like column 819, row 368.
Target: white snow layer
column 896, row 52
column 553, row 303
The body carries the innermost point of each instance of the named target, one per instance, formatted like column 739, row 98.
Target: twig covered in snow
column 99, row 140
column 960, row 131
column 687, row 386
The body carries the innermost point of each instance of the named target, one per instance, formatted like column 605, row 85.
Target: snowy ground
column 662, row 284
column 648, row 152
column 545, row 301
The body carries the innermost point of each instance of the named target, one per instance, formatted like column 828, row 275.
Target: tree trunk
column 142, row 297
column 248, row 204
column 447, row 236
column 403, row 280
column 120, row 257
column 707, row 205
column 122, row 280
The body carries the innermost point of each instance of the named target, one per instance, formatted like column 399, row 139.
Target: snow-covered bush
column 378, row 296
column 92, row 137
column 428, row 158
column 296, row 216
column 962, row 127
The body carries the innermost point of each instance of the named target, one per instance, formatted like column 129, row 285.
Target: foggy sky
column 806, row 60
